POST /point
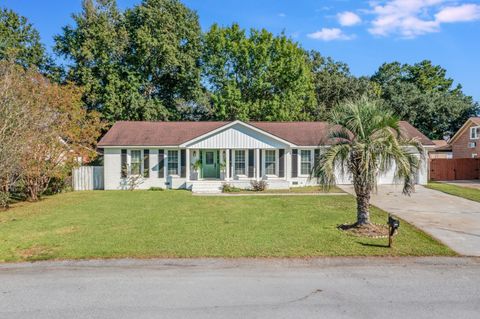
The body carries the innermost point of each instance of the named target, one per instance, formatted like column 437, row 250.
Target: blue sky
column 362, row 33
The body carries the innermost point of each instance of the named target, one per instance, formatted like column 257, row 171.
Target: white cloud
column 327, row 34
column 403, row 17
column 282, row 15
column 348, row 18
column 463, row 13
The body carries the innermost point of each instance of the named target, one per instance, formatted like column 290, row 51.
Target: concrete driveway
column 453, row 220
column 373, row 288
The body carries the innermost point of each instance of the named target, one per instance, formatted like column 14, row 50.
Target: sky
column 363, row 34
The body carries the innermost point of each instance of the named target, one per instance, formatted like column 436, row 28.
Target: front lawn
column 105, row 224
column 465, row 192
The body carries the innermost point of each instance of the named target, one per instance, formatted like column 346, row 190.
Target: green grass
column 113, row 224
column 301, row 189
column 465, row 192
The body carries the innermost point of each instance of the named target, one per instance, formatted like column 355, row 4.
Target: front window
column 240, row 162
column 474, row 132
column 135, row 162
column 172, row 159
column 270, row 162
column 305, row 162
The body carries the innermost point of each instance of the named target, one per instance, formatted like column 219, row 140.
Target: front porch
column 235, row 164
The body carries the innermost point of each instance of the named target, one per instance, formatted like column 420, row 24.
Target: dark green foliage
column 20, row 42
column 335, row 84
column 424, row 96
column 256, row 77
column 141, row 64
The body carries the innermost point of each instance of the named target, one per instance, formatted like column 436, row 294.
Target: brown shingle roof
column 175, row 133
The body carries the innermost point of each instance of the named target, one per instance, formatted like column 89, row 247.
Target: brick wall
column 460, row 147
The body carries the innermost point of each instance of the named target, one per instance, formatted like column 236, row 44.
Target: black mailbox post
column 393, row 225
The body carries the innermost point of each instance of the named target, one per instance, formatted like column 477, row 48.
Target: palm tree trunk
column 363, row 208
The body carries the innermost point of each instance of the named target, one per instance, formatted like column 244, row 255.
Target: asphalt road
column 243, row 288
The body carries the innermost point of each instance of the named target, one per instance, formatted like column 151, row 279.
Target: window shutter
column 123, row 165
column 146, row 163
column 161, row 163
column 281, row 164
column 230, row 162
column 316, row 159
column 183, row 156
column 294, row 163
column 261, row 164
column 251, row 162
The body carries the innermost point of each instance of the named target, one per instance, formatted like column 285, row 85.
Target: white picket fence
column 87, row 178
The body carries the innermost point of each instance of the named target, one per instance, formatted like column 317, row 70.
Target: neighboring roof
column 133, row 133
column 442, row 145
column 473, row 120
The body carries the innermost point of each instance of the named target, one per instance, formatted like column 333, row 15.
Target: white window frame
column 474, row 155
column 474, row 130
column 234, row 161
column 264, row 162
column 312, row 158
column 130, row 162
column 167, row 173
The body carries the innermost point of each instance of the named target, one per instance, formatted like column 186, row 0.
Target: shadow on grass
column 373, row 245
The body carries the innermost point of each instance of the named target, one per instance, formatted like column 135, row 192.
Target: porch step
column 206, row 187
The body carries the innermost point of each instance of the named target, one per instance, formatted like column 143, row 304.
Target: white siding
column 112, row 173
column 237, row 137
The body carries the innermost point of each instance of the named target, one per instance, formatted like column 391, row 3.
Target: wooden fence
column 86, row 178
column 454, row 169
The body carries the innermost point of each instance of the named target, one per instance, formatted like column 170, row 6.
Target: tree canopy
column 422, row 95
column 20, row 43
column 141, row 64
column 257, row 76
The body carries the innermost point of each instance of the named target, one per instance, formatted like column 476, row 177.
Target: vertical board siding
column 87, row 178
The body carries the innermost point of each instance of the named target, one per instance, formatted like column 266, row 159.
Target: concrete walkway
column 370, row 288
column 453, row 220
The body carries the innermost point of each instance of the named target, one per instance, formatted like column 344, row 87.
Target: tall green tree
column 334, row 84
column 141, row 64
column 20, row 42
column 423, row 95
column 257, row 76
column 367, row 142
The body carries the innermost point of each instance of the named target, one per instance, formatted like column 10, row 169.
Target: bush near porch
column 141, row 224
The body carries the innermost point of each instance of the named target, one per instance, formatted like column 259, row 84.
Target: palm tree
column 366, row 140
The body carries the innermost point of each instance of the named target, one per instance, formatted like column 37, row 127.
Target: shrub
column 227, row 188
column 258, row 186
column 157, row 189
column 4, row 199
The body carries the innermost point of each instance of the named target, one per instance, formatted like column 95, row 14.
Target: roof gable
column 473, row 120
column 237, row 135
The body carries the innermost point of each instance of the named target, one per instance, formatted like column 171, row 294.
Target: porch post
column 257, row 163
column 187, row 164
column 227, row 164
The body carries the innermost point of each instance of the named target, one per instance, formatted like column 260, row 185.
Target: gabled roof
column 472, row 120
column 134, row 133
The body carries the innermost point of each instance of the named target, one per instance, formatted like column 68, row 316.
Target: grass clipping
column 370, row 230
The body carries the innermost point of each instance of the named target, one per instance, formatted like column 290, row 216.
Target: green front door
column 209, row 164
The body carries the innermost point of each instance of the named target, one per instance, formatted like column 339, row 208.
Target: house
column 465, row 143
column 202, row 155
column 442, row 150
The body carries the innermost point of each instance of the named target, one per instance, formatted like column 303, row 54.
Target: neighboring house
column 442, row 150
column 466, row 142
column 203, row 155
